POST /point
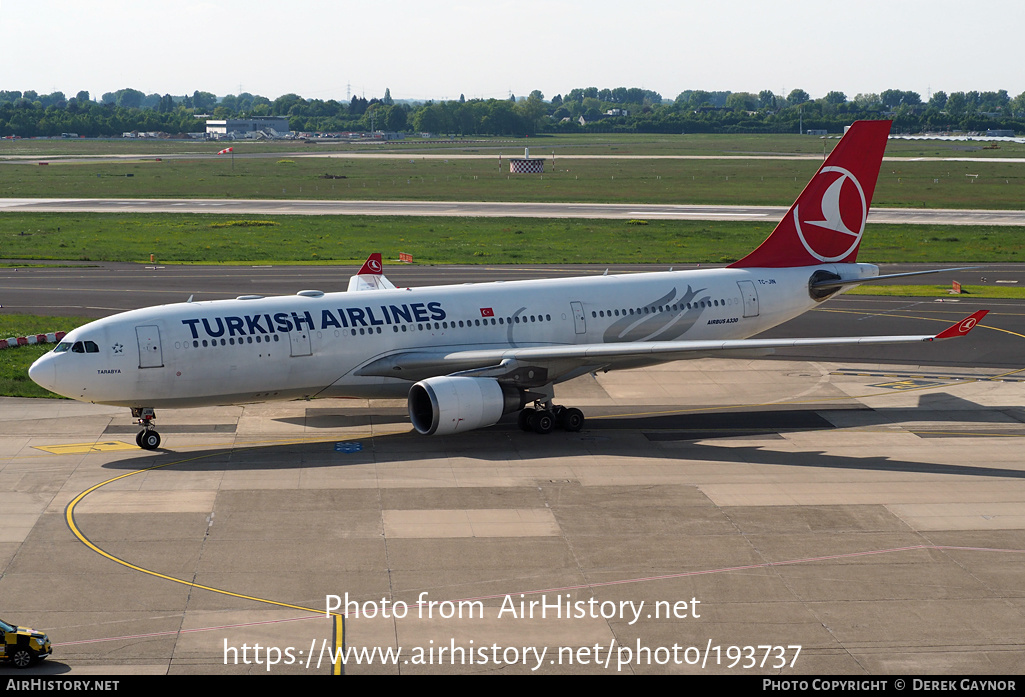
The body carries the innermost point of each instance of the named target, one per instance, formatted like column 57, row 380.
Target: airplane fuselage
column 316, row 344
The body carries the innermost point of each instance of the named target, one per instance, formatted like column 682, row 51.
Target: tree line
column 589, row 109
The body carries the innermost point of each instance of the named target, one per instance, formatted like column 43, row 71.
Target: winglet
column 373, row 266
column 963, row 327
column 371, row 275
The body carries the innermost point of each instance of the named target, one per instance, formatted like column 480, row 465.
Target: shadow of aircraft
column 711, row 436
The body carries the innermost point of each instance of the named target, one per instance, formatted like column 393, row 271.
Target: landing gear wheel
column 542, row 422
column 148, row 440
column 524, row 419
column 571, row 419
column 22, row 658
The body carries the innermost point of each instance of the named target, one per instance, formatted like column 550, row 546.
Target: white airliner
column 465, row 355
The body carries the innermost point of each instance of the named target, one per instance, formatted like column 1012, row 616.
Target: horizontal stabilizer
column 840, row 282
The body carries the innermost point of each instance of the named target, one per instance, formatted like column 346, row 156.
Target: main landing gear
column 147, row 438
column 545, row 417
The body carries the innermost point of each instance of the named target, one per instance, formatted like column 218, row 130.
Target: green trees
column 797, row 97
column 619, row 109
column 742, row 101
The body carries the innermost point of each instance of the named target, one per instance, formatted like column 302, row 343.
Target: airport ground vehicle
column 23, row 646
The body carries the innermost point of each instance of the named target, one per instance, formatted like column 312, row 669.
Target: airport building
column 255, row 127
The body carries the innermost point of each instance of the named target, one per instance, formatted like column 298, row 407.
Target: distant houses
column 256, row 127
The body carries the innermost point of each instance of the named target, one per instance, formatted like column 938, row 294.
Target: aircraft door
column 150, row 355
column 578, row 317
column 750, row 295
column 299, row 339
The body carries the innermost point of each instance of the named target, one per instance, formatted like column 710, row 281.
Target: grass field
column 14, row 362
column 594, row 143
column 925, row 184
column 438, row 240
column 923, row 291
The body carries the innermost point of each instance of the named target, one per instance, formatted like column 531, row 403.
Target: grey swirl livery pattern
column 658, row 321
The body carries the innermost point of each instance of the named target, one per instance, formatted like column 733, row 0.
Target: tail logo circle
column 844, row 210
column 967, row 325
column 374, row 265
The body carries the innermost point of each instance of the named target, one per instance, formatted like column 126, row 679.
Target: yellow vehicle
column 23, row 646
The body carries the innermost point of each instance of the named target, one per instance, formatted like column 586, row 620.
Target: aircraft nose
column 43, row 372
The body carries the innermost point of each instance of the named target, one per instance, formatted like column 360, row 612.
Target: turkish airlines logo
column 374, row 265
column 834, row 231
column 967, row 325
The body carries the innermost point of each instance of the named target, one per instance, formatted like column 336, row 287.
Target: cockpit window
column 62, row 347
column 84, row 347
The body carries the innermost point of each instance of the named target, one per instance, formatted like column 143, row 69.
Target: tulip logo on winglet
column 835, row 231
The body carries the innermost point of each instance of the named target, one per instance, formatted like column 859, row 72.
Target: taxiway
column 865, row 508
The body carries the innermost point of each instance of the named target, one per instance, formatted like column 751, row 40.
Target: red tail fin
column 827, row 221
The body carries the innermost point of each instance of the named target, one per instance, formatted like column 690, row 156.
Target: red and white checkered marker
column 226, row 151
column 13, row 341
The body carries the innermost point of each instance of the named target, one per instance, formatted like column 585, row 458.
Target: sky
column 330, row 49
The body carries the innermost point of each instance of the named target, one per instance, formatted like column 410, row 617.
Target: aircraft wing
column 533, row 366
column 370, row 276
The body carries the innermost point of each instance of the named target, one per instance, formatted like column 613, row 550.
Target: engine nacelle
column 442, row 405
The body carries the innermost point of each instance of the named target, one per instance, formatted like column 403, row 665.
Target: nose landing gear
column 147, row 438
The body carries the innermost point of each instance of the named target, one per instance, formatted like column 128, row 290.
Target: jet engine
column 442, row 405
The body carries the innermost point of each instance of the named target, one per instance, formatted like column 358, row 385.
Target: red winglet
column 963, row 327
column 372, row 266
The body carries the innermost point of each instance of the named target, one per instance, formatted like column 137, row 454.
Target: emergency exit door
column 578, row 317
column 150, row 355
column 750, row 295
